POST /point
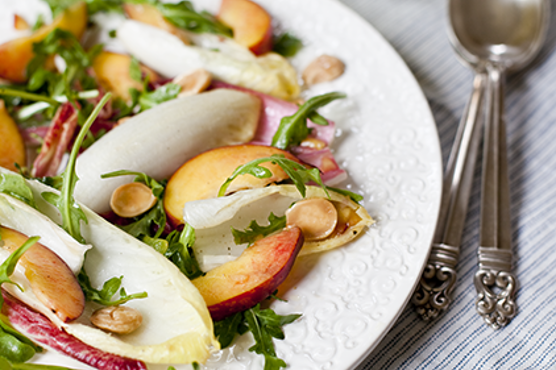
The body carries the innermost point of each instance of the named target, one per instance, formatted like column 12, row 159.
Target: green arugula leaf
column 286, row 45
column 8, row 266
column 299, row 174
column 225, row 330
column 7, row 328
column 14, row 350
column 183, row 15
column 110, row 287
column 180, row 251
column 156, row 187
column 293, row 129
column 166, row 92
column 255, row 232
column 265, row 325
column 135, row 70
column 15, row 186
column 71, row 213
column 93, row 6
column 354, row 196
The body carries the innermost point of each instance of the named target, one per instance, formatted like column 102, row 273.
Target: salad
column 172, row 183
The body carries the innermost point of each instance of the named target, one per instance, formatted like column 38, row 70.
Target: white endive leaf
column 270, row 73
column 17, row 215
column 213, row 218
column 159, row 140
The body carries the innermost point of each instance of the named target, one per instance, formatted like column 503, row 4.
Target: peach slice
column 149, row 14
column 52, row 281
column 252, row 25
column 112, row 73
column 12, row 148
column 16, row 54
column 202, row 176
column 20, row 23
column 240, row 284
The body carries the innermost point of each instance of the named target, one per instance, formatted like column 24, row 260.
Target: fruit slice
column 240, row 284
column 12, row 148
column 16, row 54
column 151, row 15
column 202, row 176
column 252, row 25
column 52, row 281
column 112, row 73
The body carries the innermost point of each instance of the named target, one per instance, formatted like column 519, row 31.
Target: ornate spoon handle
column 434, row 292
column 494, row 281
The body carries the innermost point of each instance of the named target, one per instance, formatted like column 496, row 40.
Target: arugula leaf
column 156, row 187
column 180, row 251
column 15, row 186
column 255, row 232
column 225, row 330
column 135, row 70
column 13, row 349
column 293, row 129
column 166, row 92
column 71, row 213
column 106, row 294
column 183, row 15
column 8, row 266
column 7, row 328
column 265, row 325
column 286, row 45
column 299, row 174
column 354, row 196
column 93, row 6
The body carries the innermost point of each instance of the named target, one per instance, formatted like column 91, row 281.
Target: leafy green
column 7, row 365
column 354, row 196
column 299, row 174
column 293, row 129
column 15, row 186
column 166, row 92
column 183, row 15
column 13, row 349
column 71, row 213
column 225, row 330
column 180, row 251
column 110, row 287
column 7, row 328
column 264, row 325
column 286, row 45
column 135, row 70
column 255, row 232
column 93, row 6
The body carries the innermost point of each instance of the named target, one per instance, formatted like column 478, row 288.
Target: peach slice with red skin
column 16, row 54
column 252, row 25
column 51, row 280
column 12, row 148
column 242, row 283
column 202, row 176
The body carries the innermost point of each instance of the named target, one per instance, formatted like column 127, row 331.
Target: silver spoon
column 496, row 37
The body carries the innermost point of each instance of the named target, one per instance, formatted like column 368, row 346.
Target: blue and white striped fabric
column 459, row 339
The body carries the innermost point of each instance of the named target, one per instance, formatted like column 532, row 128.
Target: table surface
column 459, row 339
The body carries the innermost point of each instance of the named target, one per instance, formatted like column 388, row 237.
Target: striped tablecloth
column 460, row 339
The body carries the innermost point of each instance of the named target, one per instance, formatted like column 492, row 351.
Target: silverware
column 434, row 292
column 498, row 36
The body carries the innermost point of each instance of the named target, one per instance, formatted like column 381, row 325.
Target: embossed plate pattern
column 388, row 143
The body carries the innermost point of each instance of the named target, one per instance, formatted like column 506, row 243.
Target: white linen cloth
column 459, row 339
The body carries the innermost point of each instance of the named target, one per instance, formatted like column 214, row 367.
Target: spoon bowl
column 507, row 32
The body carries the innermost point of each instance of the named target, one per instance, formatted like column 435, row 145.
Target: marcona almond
column 316, row 217
column 324, row 68
column 117, row 319
column 194, row 82
column 132, row 199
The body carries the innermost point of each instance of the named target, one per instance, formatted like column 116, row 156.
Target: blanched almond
column 133, row 199
column 324, row 68
column 194, row 82
column 316, row 217
column 117, row 319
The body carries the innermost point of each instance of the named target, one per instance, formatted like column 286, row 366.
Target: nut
column 117, row 319
column 316, row 217
column 194, row 82
column 324, row 68
column 133, row 199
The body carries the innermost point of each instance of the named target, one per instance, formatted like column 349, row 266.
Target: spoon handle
column 434, row 292
column 494, row 281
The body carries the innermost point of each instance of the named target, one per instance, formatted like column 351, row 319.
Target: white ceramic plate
column 387, row 141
